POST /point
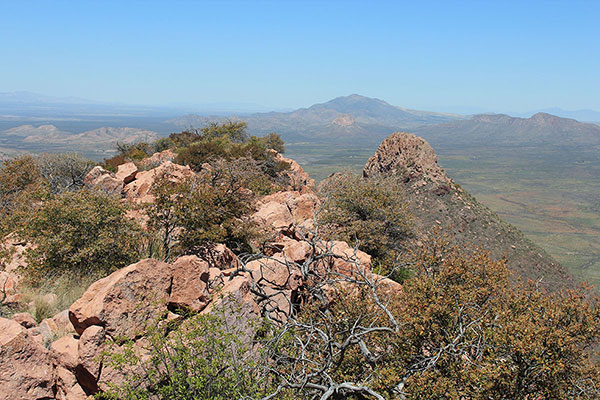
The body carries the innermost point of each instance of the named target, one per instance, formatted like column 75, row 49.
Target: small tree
column 273, row 141
column 232, row 130
column 214, row 208
column 161, row 211
column 21, row 188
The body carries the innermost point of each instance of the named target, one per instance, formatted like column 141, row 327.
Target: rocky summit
column 439, row 204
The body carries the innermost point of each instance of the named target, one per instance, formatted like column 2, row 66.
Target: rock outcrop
column 126, row 172
column 437, row 203
column 157, row 158
column 139, row 190
column 26, row 370
column 101, row 179
column 298, row 179
column 288, row 211
column 63, row 356
column 408, row 156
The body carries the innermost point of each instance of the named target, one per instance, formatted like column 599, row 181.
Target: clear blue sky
column 495, row 55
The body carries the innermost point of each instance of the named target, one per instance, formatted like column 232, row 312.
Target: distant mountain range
column 580, row 115
column 353, row 117
column 74, row 124
column 488, row 130
column 357, row 118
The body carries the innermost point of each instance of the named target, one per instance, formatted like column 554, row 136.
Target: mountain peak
column 357, row 99
column 547, row 118
column 407, row 155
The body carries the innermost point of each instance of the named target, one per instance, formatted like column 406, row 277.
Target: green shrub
column 274, row 141
column 82, row 232
column 21, row 188
column 232, row 130
column 209, row 357
column 162, row 144
column 215, row 207
column 369, row 213
column 212, row 207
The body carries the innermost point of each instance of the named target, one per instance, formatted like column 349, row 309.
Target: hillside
column 541, row 174
column 440, row 205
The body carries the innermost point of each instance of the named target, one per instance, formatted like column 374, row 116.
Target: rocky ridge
column 66, row 350
column 438, row 204
column 61, row 358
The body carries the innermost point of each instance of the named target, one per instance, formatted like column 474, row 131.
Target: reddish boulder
column 221, row 257
column 67, row 387
column 298, row 178
column 190, row 280
column 26, row 372
column 126, row 172
column 158, row 158
column 65, row 352
column 281, row 210
column 124, row 301
column 274, row 214
column 296, row 251
column 275, row 272
column 9, row 329
column 25, row 319
column 89, row 364
column 102, row 179
column 139, row 190
column 345, row 259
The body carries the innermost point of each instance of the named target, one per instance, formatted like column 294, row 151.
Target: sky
column 460, row 56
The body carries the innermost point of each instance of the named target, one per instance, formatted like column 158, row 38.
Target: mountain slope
column 436, row 202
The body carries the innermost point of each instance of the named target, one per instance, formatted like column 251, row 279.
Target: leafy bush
column 369, row 213
column 209, row 357
column 162, row 144
column 206, row 150
column 469, row 333
column 17, row 175
column 462, row 331
column 82, row 232
column 232, row 130
column 274, row 141
column 215, row 209
column 210, row 208
column 21, row 188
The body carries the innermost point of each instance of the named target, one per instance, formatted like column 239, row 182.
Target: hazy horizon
column 285, row 55
column 232, row 107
